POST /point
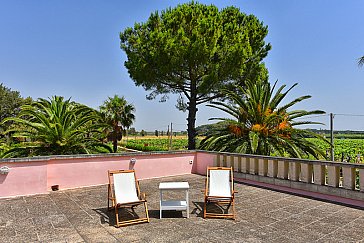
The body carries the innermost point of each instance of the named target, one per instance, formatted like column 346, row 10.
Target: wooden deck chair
column 219, row 190
column 124, row 192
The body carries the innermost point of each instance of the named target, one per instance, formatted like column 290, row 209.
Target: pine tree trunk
column 191, row 122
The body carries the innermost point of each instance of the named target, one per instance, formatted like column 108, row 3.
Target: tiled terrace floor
column 80, row 215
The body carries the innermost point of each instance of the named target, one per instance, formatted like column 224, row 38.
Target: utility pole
column 332, row 135
column 170, row 138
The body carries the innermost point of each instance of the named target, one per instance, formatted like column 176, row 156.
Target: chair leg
column 233, row 204
column 108, row 197
column 204, row 208
column 228, row 207
column 146, row 210
column 117, row 216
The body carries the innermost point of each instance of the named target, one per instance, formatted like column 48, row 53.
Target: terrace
column 263, row 214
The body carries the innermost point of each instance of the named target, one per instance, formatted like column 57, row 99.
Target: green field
column 344, row 148
column 156, row 143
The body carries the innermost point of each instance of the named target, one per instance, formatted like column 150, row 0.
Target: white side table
column 174, row 204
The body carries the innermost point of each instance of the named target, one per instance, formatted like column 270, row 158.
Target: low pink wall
column 204, row 159
column 24, row 178
column 71, row 173
column 33, row 177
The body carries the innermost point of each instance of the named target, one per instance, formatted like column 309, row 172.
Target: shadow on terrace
column 81, row 215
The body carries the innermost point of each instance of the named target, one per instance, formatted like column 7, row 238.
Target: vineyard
column 156, row 143
column 345, row 149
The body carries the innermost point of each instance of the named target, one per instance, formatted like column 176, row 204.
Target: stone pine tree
column 194, row 50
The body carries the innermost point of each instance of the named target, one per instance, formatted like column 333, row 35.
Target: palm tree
column 55, row 127
column 261, row 125
column 119, row 115
column 361, row 61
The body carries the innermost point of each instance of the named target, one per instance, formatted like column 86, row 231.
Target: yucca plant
column 261, row 124
column 55, row 127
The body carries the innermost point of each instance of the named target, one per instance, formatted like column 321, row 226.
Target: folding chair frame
column 116, row 206
column 221, row 201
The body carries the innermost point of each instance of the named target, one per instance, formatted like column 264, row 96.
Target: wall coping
column 110, row 155
column 82, row 156
column 317, row 162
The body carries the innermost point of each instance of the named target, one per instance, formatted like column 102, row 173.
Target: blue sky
column 71, row 48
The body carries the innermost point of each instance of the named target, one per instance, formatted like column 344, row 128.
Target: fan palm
column 262, row 125
column 55, row 126
column 119, row 115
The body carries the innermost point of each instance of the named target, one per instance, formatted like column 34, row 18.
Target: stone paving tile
column 353, row 229
column 7, row 232
column 302, row 219
column 283, row 239
column 59, row 235
column 20, row 239
column 286, row 202
column 261, row 220
column 279, row 214
column 265, row 234
column 293, row 209
column 336, row 238
column 285, row 226
column 354, row 232
column 337, row 220
column 95, row 234
column 321, row 227
column 304, row 235
column 266, row 208
column 81, row 215
column 318, row 212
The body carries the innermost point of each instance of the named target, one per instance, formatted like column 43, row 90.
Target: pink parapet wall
column 204, row 160
column 71, row 173
column 24, row 178
column 30, row 176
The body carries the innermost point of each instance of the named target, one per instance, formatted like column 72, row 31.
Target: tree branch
column 201, row 100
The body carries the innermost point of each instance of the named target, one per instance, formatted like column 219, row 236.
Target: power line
column 313, row 116
column 180, row 124
column 348, row 114
column 335, row 114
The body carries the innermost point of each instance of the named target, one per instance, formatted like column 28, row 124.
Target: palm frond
column 262, row 125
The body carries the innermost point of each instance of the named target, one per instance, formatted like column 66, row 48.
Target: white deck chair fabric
column 219, row 183
column 124, row 186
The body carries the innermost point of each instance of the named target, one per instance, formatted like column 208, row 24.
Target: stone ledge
column 82, row 156
column 296, row 160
